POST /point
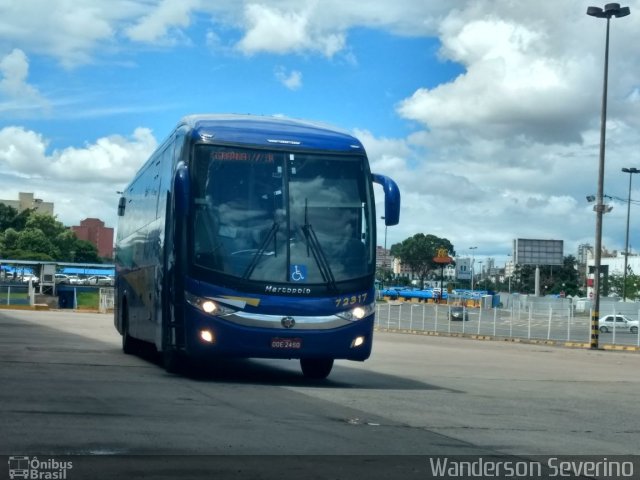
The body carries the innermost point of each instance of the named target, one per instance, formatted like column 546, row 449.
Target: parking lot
column 550, row 325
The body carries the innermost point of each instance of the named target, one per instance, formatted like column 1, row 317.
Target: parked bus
column 254, row 237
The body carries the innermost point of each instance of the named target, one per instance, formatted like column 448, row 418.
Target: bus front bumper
column 218, row 336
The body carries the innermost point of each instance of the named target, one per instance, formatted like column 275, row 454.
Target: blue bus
column 253, row 237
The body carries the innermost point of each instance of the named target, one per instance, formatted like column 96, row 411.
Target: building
column 94, row 231
column 383, row 258
column 611, row 263
column 26, row 201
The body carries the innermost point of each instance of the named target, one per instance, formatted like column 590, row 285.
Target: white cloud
column 292, row 80
column 77, row 31
column 163, row 24
column 511, row 86
column 69, row 30
column 511, row 144
column 22, row 151
column 113, row 159
column 85, row 179
column 14, row 70
column 271, row 30
column 507, row 148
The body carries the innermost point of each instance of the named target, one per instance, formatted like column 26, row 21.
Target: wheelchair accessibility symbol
column 298, row 273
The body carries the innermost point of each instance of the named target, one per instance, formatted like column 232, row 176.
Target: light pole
column 510, row 265
column 630, row 171
column 610, row 10
column 472, row 265
column 385, row 243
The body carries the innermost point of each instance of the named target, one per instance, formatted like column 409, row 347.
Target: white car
column 61, row 278
column 619, row 322
column 103, row 280
column 28, row 277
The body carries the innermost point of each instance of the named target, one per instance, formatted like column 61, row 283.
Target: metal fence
column 106, row 303
column 15, row 295
column 553, row 321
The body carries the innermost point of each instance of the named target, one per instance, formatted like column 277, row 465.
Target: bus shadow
column 285, row 373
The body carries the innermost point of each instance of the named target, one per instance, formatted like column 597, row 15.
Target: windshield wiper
column 260, row 253
column 314, row 246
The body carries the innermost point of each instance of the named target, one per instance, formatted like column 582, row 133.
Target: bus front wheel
column 316, row 368
column 174, row 361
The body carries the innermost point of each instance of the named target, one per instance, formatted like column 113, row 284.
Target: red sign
column 442, row 256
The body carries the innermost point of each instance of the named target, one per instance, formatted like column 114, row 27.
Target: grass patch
column 88, row 299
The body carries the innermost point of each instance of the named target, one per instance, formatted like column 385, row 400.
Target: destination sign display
column 250, row 156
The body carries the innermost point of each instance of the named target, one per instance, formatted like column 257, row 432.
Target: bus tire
column 128, row 342
column 316, row 368
column 173, row 361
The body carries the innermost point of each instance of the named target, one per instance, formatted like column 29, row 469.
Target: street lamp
column 610, row 10
column 630, row 171
column 472, row 265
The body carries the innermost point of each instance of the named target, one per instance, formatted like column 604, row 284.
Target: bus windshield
column 273, row 216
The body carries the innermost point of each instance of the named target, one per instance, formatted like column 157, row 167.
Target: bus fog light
column 357, row 342
column 207, row 336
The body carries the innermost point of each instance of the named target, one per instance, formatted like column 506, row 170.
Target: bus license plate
column 286, row 343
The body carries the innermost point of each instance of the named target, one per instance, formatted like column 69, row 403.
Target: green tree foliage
column 46, row 224
column 9, row 241
column 35, row 240
column 86, row 252
column 11, row 218
column 384, row 275
column 35, row 236
column 553, row 279
column 417, row 253
column 632, row 292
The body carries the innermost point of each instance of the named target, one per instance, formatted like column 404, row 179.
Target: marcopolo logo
column 33, row 468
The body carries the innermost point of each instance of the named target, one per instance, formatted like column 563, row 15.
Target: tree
column 46, row 223
column 35, row 236
column 417, row 253
column 553, row 278
column 384, row 275
column 35, row 240
column 67, row 244
column 86, row 252
column 10, row 239
column 632, row 283
column 11, row 218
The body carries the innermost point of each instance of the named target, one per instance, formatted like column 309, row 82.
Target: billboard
column 528, row 251
column 463, row 269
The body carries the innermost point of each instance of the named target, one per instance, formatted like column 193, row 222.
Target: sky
column 486, row 113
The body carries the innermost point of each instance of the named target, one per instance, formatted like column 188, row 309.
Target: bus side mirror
column 122, row 203
column 391, row 199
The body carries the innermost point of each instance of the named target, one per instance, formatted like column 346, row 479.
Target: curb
column 45, row 307
column 37, row 306
column 525, row 341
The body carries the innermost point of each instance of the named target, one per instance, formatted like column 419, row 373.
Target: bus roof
column 270, row 131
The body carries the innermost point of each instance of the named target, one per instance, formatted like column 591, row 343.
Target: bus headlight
column 207, row 305
column 357, row 313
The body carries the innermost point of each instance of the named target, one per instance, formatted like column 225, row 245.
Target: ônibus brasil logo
column 33, row 468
